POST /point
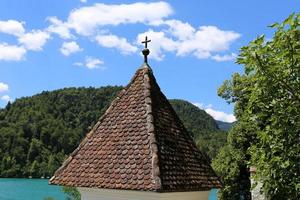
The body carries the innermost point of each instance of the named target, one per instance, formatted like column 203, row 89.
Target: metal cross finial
column 146, row 42
column 146, row 51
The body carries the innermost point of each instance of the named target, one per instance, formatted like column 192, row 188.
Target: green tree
column 274, row 106
column 231, row 163
column 72, row 193
column 34, row 149
column 227, row 166
column 267, row 102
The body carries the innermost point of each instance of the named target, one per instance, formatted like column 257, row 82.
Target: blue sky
column 52, row 44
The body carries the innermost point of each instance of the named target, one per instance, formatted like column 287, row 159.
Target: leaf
column 289, row 20
column 260, row 40
column 274, row 25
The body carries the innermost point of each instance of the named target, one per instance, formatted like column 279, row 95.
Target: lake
column 37, row 189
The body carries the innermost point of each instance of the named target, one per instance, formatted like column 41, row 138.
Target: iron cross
column 146, row 42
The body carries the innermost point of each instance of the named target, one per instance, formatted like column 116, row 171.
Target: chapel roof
column 138, row 144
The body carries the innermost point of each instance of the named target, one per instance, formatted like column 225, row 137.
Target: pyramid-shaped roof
column 138, row 144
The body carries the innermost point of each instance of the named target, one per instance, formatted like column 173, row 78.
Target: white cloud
column 3, row 87
column 59, row 27
column 179, row 29
column 87, row 20
column 201, row 43
column 83, row 1
column 93, row 63
column 221, row 116
column 222, row 58
column 95, row 23
column 170, row 35
column 207, row 39
column 78, row 64
column 113, row 41
column 6, row 98
column 90, row 63
column 12, row 27
column 216, row 114
column 69, row 48
column 11, row 52
column 159, row 44
column 34, row 40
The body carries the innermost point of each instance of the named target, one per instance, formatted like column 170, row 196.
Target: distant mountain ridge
column 37, row 132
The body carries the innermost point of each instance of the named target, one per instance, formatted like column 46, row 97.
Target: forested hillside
column 195, row 120
column 36, row 133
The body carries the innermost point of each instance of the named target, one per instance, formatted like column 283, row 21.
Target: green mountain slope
column 197, row 121
column 36, row 133
column 225, row 126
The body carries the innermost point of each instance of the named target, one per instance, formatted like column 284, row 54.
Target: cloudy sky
column 52, row 44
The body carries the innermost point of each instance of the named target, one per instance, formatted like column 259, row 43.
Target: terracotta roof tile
column 138, row 144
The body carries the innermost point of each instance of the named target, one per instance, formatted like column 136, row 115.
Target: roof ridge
column 151, row 128
column 92, row 131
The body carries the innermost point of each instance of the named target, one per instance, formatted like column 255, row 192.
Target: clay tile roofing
column 138, row 144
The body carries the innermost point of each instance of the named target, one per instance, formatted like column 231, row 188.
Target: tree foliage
column 36, row 133
column 231, row 163
column 267, row 105
column 227, row 165
column 72, row 193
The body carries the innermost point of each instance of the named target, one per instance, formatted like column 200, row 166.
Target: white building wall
column 255, row 192
column 109, row 194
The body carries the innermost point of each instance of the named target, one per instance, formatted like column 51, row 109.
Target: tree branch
column 284, row 84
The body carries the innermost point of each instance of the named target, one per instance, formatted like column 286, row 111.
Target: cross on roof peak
column 146, row 42
column 146, row 51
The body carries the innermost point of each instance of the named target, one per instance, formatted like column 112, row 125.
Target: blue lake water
column 38, row 189
column 28, row 189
